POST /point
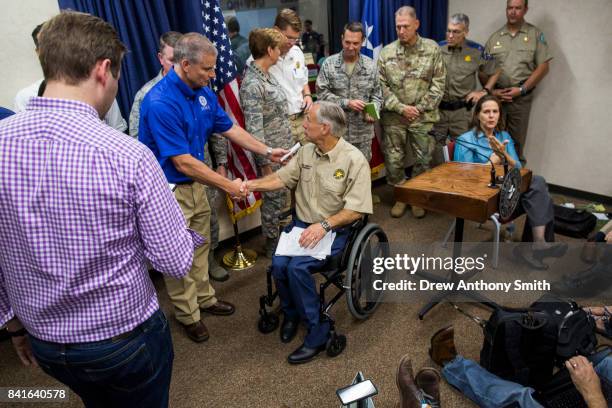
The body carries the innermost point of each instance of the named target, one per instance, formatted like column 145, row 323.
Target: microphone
column 504, row 160
column 440, row 137
column 493, row 183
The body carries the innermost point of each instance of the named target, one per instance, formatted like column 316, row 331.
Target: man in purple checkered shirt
column 82, row 207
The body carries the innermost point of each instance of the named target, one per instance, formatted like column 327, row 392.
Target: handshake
column 239, row 189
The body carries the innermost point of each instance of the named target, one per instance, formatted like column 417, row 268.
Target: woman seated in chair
column 486, row 141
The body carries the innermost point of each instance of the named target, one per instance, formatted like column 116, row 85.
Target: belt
column 454, row 105
column 126, row 335
column 295, row 116
column 136, row 330
column 184, row 183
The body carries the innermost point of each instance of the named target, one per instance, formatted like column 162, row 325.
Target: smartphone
column 356, row 392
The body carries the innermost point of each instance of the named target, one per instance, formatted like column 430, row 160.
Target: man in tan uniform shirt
column 521, row 51
column 332, row 186
column 465, row 62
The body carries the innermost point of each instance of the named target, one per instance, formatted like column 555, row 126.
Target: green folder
column 370, row 109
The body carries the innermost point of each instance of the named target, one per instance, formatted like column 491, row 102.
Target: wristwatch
column 326, row 225
column 523, row 90
column 487, row 90
column 268, row 152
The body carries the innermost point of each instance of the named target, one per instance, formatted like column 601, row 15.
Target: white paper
column 292, row 151
column 569, row 205
column 289, row 245
column 601, row 216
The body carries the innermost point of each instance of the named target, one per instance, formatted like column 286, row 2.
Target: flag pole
column 238, row 259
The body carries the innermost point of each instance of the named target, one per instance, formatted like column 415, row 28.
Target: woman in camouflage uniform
column 265, row 112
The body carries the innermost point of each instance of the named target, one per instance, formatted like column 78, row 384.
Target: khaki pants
column 297, row 130
column 516, row 118
column 194, row 291
column 453, row 123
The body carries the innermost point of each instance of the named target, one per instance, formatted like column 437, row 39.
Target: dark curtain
column 432, row 14
column 338, row 16
column 140, row 23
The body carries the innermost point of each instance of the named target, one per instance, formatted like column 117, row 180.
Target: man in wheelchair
column 332, row 186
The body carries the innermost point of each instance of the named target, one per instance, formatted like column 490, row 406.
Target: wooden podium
column 460, row 190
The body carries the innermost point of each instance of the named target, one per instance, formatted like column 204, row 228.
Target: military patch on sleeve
column 468, row 58
column 338, row 174
column 542, row 39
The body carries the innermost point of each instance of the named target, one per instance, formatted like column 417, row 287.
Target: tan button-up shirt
column 326, row 183
column 463, row 63
column 517, row 56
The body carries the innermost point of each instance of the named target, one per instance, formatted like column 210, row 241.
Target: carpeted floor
column 239, row 367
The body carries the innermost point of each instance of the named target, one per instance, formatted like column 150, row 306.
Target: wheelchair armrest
column 360, row 222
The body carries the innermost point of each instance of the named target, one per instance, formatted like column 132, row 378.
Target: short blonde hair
column 262, row 38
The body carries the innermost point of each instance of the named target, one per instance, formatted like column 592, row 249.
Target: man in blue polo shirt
column 177, row 117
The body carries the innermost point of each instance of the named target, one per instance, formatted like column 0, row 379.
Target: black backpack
column 523, row 345
column 573, row 223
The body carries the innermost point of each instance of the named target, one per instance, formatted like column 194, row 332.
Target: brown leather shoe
column 428, row 381
column 197, row 331
column 220, row 308
column 443, row 349
column 409, row 395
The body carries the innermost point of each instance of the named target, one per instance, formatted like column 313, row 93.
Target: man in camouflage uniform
column 521, row 51
column 350, row 80
column 465, row 62
column 165, row 55
column 218, row 145
column 265, row 115
column 412, row 76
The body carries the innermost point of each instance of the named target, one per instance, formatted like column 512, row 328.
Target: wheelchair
column 344, row 272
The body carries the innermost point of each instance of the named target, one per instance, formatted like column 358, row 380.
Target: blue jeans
column 296, row 287
column 132, row 371
column 488, row 390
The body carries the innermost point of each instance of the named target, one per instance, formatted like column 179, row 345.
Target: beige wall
column 569, row 140
column 20, row 66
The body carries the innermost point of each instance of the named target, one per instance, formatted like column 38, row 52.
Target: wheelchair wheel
column 268, row 323
column 371, row 242
column 335, row 345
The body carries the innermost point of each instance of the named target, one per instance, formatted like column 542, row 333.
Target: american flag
column 240, row 162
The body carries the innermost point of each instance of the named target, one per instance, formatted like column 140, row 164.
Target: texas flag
column 370, row 18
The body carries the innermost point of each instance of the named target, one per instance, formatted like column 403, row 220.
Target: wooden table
column 457, row 189
column 460, row 190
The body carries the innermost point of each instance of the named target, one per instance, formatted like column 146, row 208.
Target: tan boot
column 409, row 395
column 398, row 209
column 443, row 349
column 418, row 212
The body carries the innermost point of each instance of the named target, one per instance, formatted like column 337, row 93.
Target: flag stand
column 239, row 259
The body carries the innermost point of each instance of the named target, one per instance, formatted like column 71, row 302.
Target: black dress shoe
column 288, row 329
column 220, row 308
column 304, row 354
